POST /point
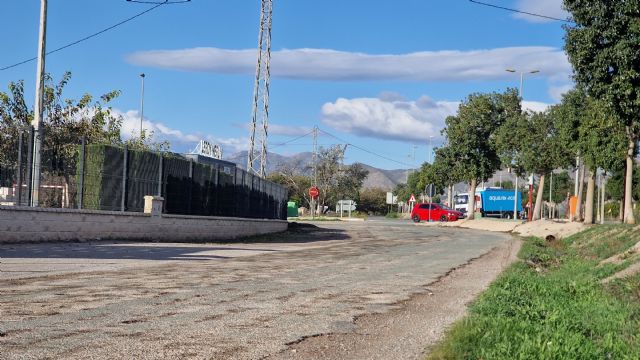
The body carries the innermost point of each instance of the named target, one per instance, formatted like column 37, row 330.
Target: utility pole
column 141, row 105
column 315, row 168
column 38, row 110
column 260, row 110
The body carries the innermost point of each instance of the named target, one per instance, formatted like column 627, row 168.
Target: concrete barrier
column 26, row 224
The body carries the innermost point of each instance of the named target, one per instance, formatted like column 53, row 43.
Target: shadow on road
column 305, row 233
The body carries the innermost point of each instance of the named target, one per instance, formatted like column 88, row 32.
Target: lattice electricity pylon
column 261, row 95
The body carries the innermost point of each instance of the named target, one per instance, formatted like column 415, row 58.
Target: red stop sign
column 314, row 192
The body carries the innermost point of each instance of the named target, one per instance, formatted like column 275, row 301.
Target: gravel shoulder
column 417, row 323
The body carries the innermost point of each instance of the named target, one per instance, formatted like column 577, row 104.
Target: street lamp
column 430, row 149
column 142, row 104
column 522, row 76
column 515, row 192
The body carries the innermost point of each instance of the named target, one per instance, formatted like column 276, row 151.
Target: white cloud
column 551, row 8
column 556, row 91
column 536, row 106
column 389, row 119
column 178, row 139
column 325, row 64
column 396, row 119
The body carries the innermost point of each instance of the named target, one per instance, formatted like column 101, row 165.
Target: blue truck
column 492, row 202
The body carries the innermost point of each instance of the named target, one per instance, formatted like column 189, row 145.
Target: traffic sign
column 314, row 192
column 412, row 198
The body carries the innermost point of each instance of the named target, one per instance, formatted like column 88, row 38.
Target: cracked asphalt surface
column 218, row 301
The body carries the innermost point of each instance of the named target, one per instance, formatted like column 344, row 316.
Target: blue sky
column 381, row 75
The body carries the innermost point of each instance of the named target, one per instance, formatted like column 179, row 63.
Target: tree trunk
column 450, row 197
column 537, row 207
column 471, row 204
column 578, row 216
column 628, row 209
column 588, row 207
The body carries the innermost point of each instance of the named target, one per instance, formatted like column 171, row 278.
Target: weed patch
column 552, row 305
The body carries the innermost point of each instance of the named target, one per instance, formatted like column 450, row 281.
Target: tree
column 446, row 170
column 602, row 143
column 335, row 180
column 586, row 128
column 603, row 50
column 373, row 201
column 471, row 134
column 67, row 121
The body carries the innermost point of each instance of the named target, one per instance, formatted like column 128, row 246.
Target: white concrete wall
column 25, row 224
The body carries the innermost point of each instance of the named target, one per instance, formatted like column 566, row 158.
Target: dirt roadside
column 539, row 228
column 417, row 323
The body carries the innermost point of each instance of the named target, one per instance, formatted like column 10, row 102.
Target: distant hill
column 377, row 178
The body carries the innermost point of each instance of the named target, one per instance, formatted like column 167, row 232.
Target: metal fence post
column 19, row 170
column 125, row 167
column 29, row 177
column 160, row 163
column 190, row 186
column 81, row 180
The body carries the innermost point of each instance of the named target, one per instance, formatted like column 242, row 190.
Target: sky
column 380, row 75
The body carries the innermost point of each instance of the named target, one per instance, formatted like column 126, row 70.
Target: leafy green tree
column 602, row 145
column 335, row 180
column 472, row 135
column 297, row 185
column 373, row 201
column 445, row 171
column 603, row 49
column 404, row 191
column 66, row 121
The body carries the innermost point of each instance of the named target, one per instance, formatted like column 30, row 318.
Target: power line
column 367, row 150
column 292, row 140
column 94, row 34
column 521, row 12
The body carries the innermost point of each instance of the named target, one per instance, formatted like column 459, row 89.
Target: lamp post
column 515, row 192
column 141, row 104
column 430, row 149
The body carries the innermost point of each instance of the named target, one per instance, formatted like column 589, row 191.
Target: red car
column 434, row 212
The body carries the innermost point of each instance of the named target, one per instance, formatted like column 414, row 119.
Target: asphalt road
column 220, row 301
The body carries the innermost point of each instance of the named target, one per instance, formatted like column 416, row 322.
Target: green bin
column 292, row 209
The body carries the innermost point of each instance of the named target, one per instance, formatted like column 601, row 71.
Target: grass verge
column 551, row 305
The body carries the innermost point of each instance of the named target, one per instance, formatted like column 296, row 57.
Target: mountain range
column 303, row 163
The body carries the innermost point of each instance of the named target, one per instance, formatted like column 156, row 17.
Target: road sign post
column 314, row 192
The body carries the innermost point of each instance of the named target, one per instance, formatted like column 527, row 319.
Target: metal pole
column 39, row 108
column 189, row 199
column 315, row 169
column 521, row 82
column 82, row 161
column 515, row 199
column 29, row 177
column 142, row 104
column 430, row 150
column 160, row 168
column 125, row 166
column 550, row 192
column 577, row 175
column 19, row 170
column 603, row 185
column 530, row 203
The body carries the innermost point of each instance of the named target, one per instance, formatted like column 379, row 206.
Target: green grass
column 392, row 215
column 551, row 305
